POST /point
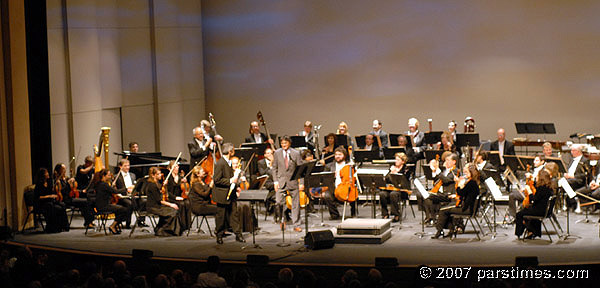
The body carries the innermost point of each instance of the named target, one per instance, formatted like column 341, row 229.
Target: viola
column 184, row 185
column 74, row 191
column 57, row 190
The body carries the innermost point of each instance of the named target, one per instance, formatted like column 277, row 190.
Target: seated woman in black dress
column 46, row 201
column 200, row 193
column 467, row 190
column 104, row 194
column 537, row 207
column 328, row 150
column 158, row 204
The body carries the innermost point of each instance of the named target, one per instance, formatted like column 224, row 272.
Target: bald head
column 501, row 135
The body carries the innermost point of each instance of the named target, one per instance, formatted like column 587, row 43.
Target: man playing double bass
column 340, row 162
column 285, row 161
column 199, row 146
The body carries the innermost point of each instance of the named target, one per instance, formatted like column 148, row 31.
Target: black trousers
column 445, row 220
column 129, row 206
column 204, row 209
column 432, row 204
column 185, row 213
column 332, row 203
column 392, row 198
column 532, row 225
column 120, row 212
column 56, row 216
column 168, row 221
column 227, row 215
column 85, row 207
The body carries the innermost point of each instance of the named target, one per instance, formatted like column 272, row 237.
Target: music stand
column 428, row 175
column 376, row 180
column 494, row 158
column 467, row 140
column 302, row 171
column 360, row 140
column 564, row 184
column 433, row 137
column 298, row 141
column 494, row 174
column 361, row 156
column 259, row 148
column 401, row 182
column 549, row 128
column 320, row 179
column 263, row 193
column 494, row 189
column 245, row 153
column 390, row 152
column 562, row 168
column 394, row 140
column 431, row 154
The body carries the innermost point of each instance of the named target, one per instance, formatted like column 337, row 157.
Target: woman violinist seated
column 199, row 194
column 158, row 204
column 66, row 186
column 176, row 195
column 46, row 201
column 466, row 193
column 328, row 150
column 538, row 203
column 393, row 197
column 104, row 193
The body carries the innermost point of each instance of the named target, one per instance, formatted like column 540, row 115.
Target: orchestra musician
column 45, row 200
column 370, row 143
column 518, row 196
column 134, row 147
column 394, row 197
column 447, row 178
column 104, row 192
column 200, row 193
column 593, row 188
column 539, row 202
column 175, row 195
column 209, row 132
column 199, row 146
column 417, row 137
column 285, row 160
column 227, row 212
column 547, row 149
column 577, row 173
column 329, row 197
column 343, row 130
column 329, row 148
column 467, row 190
column 124, row 183
column 265, row 168
column 452, row 129
column 378, row 131
column 84, row 174
column 446, row 143
column 61, row 179
column 255, row 135
column 308, row 134
column 168, row 223
column 504, row 147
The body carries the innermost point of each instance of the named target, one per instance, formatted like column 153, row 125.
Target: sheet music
column 565, row 185
column 421, row 189
column 491, row 184
column 372, row 171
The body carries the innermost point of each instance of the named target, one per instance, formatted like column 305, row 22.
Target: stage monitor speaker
column 319, row 240
column 257, row 260
column 526, row 261
column 386, row 261
column 141, row 254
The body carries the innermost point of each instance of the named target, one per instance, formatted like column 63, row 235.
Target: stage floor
column 410, row 250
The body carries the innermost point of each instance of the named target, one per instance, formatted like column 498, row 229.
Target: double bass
column 259, row 115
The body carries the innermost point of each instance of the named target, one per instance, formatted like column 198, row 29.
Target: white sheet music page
column 421, row 189
column 491, row 184
column 565, row 185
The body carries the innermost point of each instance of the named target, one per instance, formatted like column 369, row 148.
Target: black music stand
column 428, row 175
column 562, row 168
column 375, row 180
column 494, row 158
column 467, row 140
column 301, row 171
column 390, row 153
column 394, row 140
column 401, row 182
column 494, row 174
column 526, row 160
column 360, row 140
column 259, row 148
column 512, row 161
column 298, row 142
column 263, row 197
column 340, row 140
column 245, row 153
column 361, row 156
column 320, row 179
column 433, row 137
column 431, row 154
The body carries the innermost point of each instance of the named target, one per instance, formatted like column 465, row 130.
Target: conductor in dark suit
column 285, row 161
column 226, row 203
column 199, row 146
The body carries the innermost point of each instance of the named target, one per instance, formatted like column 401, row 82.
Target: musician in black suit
column 199, row 146
column 378, row 131
column 417, row 137
column 539, row 202
column 370, row 143
column 264, row 168
column 226, row 203
column 447, row 178
column 255, row 135
column 393, row 197
column 124, row 183
column 309, row 136
column 503, row 146
column 518, row 196
column 577, row 169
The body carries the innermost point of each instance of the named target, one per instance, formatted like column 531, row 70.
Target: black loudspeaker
column 526, row 261
column 319, row 240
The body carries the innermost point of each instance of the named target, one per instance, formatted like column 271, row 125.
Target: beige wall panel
column 85, row 73
column 193, row 111
column 110, row 67
column 57, row 72
column 168, row 65
column 53, row 14
column 192, row 81
column 172, row 134
column 60, row 139
column 170, row 13
column 133, row 14
column 138, row 126
column 82, row 13
column 136, row 66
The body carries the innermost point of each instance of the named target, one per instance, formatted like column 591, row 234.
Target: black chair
column 547, row 215
column 199, row 225
column 101, row 217
column 470, row 217
column 38, row 216
column 136, row 197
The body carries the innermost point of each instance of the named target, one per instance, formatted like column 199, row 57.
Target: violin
column 438, row 184
column 304, row 200
column 529, row 189
column 74, row 191
column 184, row 185
column 57, row 190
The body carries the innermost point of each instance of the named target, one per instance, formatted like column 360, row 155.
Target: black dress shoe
column 142, row 224
column 530, row 236
column 396, row 219
column 437, row 234
column 240, row 238
column 219, row 240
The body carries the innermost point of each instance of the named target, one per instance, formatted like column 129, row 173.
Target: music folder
column 562, row 168
column 399, row 180
column 431, row 154
column 390, row 152
column 298, row 141
column 467, row 139
column 394, row 140
column 565, row 185
column 433, row 137
column 365, row 155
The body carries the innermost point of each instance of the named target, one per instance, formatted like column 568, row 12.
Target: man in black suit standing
column 504, row 147
column 264, row 168
column 226, row 203
column 199, row 146
column 256, row 136
column 285, row 161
